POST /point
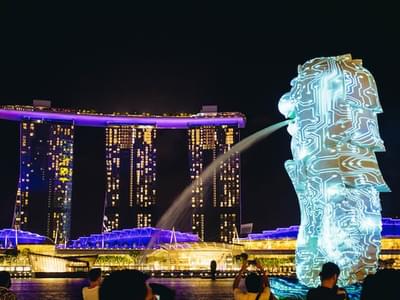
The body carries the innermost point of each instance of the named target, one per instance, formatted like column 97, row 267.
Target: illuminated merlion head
column 333, row 105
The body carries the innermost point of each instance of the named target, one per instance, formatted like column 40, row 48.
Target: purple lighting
column 102, row 120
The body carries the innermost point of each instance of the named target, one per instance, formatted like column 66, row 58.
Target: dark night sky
column 175, row 59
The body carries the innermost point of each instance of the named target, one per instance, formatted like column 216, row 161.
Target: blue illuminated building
column 136, row 238
column 9, row 238
column 140, row 237
column 43, row 202
column 279, row 233
column 390, row 229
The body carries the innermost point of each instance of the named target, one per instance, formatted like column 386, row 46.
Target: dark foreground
column 57, row 288
column 186, row 289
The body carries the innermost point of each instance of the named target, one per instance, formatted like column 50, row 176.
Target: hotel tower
column 44, row 192
column 215, row 205
column 130, row 177
column 43, row 202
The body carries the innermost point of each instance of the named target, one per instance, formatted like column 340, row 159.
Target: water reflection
column 186, row 289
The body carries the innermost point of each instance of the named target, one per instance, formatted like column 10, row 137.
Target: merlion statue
column 333, row 105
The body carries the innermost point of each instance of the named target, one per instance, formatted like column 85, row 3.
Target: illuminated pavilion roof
column 390, row 228
column 89, row 118
column 10, row 237
column 279, row 233
column 136, row 238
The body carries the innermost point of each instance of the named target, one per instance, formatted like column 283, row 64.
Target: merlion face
column 333, row 104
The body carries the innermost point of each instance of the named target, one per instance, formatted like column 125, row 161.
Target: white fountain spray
column 181, row 205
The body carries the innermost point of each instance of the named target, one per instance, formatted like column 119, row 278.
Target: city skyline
column 174, row 60
column 46, row 170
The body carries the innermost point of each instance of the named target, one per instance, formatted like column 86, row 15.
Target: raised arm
column 239, row 275
column 263, row 272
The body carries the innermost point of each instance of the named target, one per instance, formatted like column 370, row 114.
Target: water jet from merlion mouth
column 182, row 204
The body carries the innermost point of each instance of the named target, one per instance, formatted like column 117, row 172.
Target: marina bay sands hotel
column 44, row 192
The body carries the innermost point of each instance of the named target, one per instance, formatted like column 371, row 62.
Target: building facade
column 43, row 202
column 218, row 201
column 130, row 177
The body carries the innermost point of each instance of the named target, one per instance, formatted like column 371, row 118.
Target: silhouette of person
column 92, row 291
column 5, row 284
column 257, row 284
column 328, row 289
column 133, row 285
column 381, row 285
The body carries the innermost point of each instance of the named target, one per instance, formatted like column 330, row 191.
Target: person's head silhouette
column 5, row 279
column 329, row 274
column 126, row 284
